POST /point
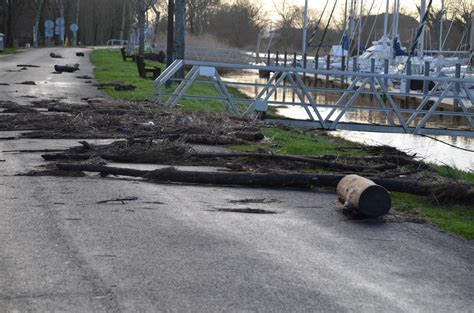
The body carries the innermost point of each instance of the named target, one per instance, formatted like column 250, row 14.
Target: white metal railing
column 457, row 91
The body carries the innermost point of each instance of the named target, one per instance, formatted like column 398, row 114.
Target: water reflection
column 424, row 147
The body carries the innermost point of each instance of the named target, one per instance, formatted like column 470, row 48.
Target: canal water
column 430, row 150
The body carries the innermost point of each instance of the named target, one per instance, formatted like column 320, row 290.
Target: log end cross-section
column 363, row 197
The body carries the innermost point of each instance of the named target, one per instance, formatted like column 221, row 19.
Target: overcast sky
column 408, row 6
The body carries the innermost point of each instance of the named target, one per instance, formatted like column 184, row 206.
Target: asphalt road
column 172, row 250
column 66, row 86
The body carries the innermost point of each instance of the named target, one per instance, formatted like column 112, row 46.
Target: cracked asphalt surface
column 170, row 250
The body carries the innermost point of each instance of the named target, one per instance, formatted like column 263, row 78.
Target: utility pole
column 77, row 22
column 180, row 33
column 170, row 39
column 122, row 27
column 60, row 5
column 39, row 10
column 305, row 26
column 141, row 21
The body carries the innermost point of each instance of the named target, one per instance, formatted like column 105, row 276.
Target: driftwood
column 209, row 139
column 33, row 151
column 156, row 158
column 124, row 87
column 462, row 193
column 65, row 156
column 170, row 174
column 60, row 108
column 362, row 196
column 310, row 160
column 27, row 65
column 296, row 180
column 66, row 68
column 79, row 54
column 249, row 136
column 118, row 200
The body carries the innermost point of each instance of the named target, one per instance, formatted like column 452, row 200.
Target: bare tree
column 39, row 5
column 198, row 14
column 238, row 24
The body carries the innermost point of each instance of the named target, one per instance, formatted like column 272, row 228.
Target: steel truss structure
column 458, row 91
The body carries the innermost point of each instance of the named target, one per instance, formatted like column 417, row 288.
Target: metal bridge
column 449, row 99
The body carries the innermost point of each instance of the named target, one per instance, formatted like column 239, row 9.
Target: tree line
column 237, row 23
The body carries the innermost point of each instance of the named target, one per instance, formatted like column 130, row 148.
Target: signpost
column 48, row 31
column 74, row 28
column 60, row 30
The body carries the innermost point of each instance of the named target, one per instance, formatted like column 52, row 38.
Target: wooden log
column 320, row 162
column 208, row 139
column 461, row 193
column 66, row 68
column 170, row 174
column 295, row 180
column 65, row 156
column 363, row 197
column 155, row 158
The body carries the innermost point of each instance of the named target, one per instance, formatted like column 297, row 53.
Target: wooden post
column 355, row 66
column 316, row 67
column 284, row 87
column 372, row 70
column 276, row 64
column 426, row 82
column 305, row 62
column 343, row 68
column 385, row 71
column 362, row 196
column 328, row 67
column 294, row 65
column 457, row 74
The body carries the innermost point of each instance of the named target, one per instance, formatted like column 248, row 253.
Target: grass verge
column 457, row 219
column 110, row 68
column 8, row 51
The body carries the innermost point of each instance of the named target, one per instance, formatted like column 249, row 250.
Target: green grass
column 454, row 173
column 457, row 219
column 110, row 68
column 299, row 143
column 8, row 51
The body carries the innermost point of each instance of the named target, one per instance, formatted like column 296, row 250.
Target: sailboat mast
column 385, row 24
column 441, row 27
column 396, row 14
column 360, row 25
column 305, row 26
column 421, row 42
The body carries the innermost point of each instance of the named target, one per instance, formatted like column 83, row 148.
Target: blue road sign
column 60, row 21
column 49, row 33
column 74, row 28
column 48, row 24
column 60, row 30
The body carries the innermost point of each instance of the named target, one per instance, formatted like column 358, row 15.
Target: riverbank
column 456, row 218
